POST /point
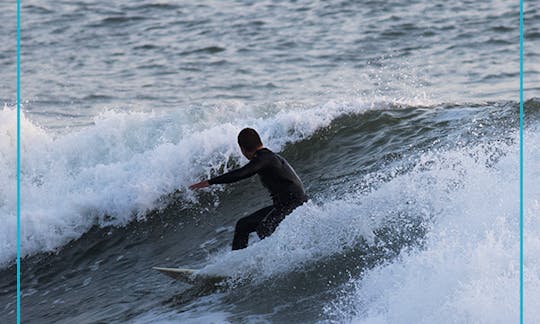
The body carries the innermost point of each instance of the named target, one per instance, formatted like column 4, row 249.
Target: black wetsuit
column 285, row 188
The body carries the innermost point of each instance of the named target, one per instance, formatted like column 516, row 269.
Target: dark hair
column 248, row 139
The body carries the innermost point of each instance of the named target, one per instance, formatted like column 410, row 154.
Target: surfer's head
column 249, row 142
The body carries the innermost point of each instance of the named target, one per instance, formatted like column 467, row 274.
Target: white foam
column 116, row 170
column 314, row 231
column 468, row 271
column 309, row 233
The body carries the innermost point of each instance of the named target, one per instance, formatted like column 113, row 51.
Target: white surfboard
column 190, row 276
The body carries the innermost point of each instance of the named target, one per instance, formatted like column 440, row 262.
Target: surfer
column 284, row 185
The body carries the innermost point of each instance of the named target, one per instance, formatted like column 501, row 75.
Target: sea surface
column 401, row 118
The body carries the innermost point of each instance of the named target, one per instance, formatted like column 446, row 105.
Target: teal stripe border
column 18, row 161
column 521, row 114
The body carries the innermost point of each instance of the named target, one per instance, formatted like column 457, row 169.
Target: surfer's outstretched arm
column 199, row 185
column 246, row 171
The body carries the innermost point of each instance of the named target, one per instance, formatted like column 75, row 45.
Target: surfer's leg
column 246, row 225
column 269, row 224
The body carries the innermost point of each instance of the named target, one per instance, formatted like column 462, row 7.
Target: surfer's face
column 249, row 155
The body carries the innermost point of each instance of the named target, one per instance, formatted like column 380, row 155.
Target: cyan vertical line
column 18, row 161
column 521, row 114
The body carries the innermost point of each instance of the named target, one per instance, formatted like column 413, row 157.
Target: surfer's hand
column 199, row 185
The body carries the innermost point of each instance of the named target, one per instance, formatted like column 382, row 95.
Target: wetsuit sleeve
column 238, row 174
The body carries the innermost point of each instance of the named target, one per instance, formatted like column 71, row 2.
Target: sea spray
column 468, row 269
column 116, row 170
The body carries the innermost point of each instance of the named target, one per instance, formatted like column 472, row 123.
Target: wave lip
column 116, row 170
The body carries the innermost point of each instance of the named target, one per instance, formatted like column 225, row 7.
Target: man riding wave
column 276, row 174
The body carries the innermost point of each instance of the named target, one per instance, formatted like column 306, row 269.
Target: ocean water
column 401, row 118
